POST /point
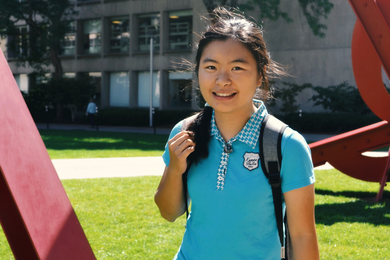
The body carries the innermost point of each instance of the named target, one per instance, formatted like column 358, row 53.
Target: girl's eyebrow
column 209, row 60
column 234, row 61
column 239, row 61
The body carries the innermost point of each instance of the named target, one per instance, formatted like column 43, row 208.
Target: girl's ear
column 259, row 80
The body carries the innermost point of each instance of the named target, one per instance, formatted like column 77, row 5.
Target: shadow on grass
column 362, row 211
column 353, row 194
column 78, row 140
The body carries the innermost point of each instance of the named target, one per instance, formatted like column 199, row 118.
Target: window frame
column 111, row 36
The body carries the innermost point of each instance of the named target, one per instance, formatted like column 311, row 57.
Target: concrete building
column 110, row 42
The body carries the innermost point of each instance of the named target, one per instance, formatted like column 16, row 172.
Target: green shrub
column 287, row 97
column 308, row 122
column 140, row 116
column 57, row 94
column 327, row 122
column 171, row 117
column 37, row 101
column 340, row 98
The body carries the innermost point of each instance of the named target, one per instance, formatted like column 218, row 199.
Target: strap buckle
column 274, row 179
column 283, row 253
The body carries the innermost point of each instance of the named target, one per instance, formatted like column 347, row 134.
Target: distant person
column 91, row 111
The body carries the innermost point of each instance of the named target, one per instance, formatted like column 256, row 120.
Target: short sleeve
column 175, row 130
column 297, row 167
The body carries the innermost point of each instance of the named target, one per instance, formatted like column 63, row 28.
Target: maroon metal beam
column 370, row 52
column 344, row 152
column 35, row 212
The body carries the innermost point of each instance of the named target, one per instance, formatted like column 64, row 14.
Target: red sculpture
column 35, row 213
column 370, row 51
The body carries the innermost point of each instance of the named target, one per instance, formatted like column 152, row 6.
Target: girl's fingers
column 183, row 147
column 186, row 148
column 180, row 147
column 181, row 136
column 180, row 142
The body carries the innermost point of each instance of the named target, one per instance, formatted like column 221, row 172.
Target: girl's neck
column 229, row 124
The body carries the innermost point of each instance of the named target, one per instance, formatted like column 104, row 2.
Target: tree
column 40, row 45
column 287, row 97
column 70, row 92
column 314, row 11
column 340, row 98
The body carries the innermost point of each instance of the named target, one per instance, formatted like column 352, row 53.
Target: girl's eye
column 237, row 68
column 210, row 67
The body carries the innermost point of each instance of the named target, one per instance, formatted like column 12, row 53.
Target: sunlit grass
column 121, row 220
column 349, row 224
column 84, row 144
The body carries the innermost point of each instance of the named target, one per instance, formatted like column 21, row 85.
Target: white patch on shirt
column 251, row 161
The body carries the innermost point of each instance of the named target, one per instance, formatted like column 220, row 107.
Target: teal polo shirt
column 232, row 212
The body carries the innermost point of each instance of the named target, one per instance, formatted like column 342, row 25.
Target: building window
column 92, row 36
column 22, row 81
column 148, row 27
column 144, row 89
column 96, row 79
column 86, row 1
column 69, row 75
column 119, row 89
column 18, row 43
column 180, row 30
column 43, row 79
column 119, row 34
column 68, row 45
column 179, row 89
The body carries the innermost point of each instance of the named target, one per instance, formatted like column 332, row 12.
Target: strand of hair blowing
column 201, row 129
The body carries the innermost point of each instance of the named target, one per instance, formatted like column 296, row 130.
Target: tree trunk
column 55, row 60
column 59, row 112
column 58, row 74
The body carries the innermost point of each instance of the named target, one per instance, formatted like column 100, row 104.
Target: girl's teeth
column 224, row 94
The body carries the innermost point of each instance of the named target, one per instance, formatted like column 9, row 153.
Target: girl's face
column 228, row 77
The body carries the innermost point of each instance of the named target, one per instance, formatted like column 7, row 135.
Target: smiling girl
column 232, row 211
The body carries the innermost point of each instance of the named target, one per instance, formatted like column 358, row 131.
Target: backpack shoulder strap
column 270, row 142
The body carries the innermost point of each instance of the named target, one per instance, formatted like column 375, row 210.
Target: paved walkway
column 108, row 167
column 130, row 166
column 126, row 167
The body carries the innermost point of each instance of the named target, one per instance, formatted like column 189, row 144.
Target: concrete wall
column 319, row 61
column 311, row 59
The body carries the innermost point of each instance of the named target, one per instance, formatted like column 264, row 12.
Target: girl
column 232, row 211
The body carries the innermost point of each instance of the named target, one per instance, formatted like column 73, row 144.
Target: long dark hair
column 226, row 24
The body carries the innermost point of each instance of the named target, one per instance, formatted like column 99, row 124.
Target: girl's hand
column 180, row 147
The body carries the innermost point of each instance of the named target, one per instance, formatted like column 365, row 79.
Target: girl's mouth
column 224, row 94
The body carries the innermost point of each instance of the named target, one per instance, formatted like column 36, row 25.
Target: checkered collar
column 250, row 132
column 248, row 135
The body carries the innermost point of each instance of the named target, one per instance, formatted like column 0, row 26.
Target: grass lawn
column 121, row 220
column 65, row 144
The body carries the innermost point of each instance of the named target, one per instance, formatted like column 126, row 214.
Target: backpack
column 270, row 141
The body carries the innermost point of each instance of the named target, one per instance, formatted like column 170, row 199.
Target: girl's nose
column 223, row 79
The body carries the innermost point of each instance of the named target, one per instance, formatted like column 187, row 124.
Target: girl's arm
column 301, row 222
column 169, row 196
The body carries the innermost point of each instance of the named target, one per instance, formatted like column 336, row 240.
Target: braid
column 201, row 129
